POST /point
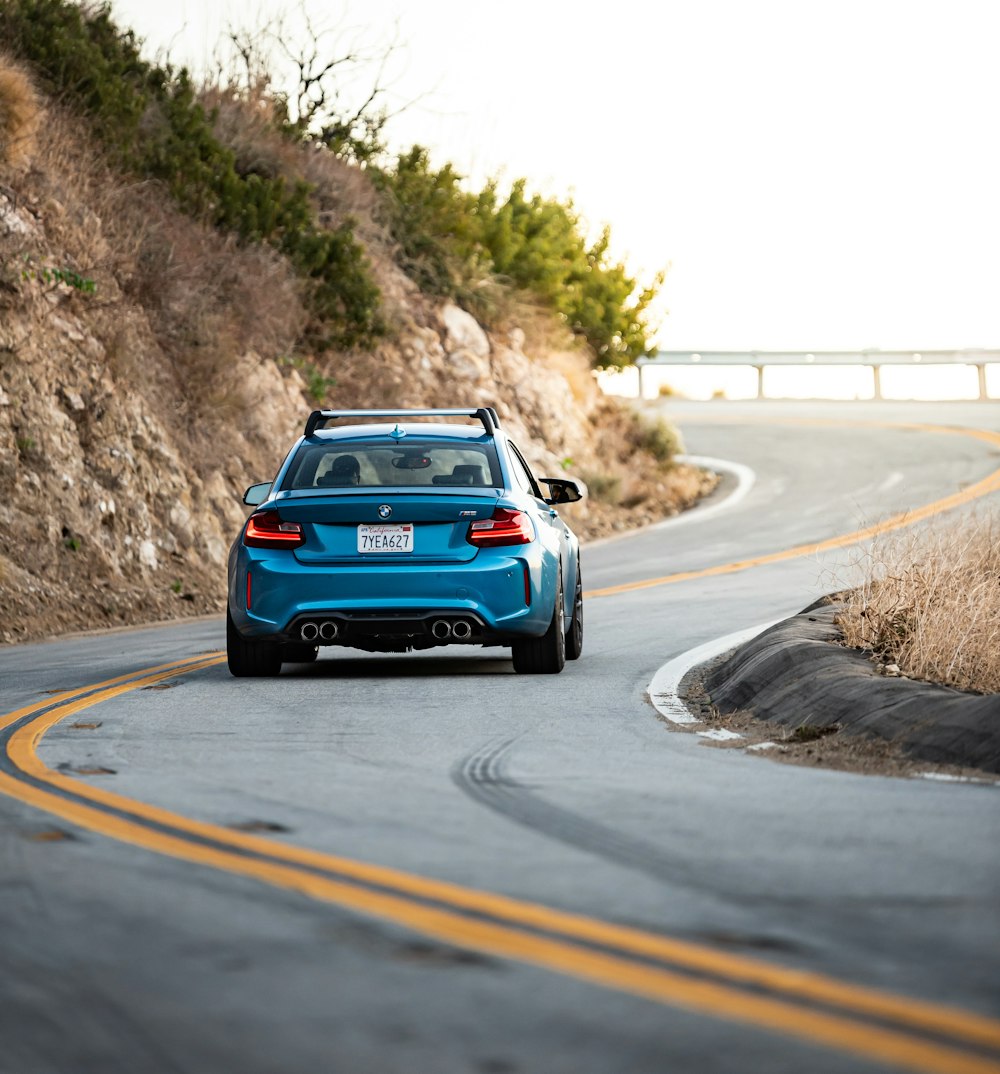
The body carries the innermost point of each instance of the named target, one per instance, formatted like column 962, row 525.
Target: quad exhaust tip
column 460, row 629
column 441, row 630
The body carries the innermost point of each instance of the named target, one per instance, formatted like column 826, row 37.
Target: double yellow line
column 989, row 484
column 902, row 1032
column 899, row 1031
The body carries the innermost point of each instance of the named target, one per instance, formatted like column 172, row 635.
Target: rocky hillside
column 146, row 378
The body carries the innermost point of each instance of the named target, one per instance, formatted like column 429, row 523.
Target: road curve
column 427, row 863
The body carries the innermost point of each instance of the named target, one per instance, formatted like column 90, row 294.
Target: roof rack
column 486, row 414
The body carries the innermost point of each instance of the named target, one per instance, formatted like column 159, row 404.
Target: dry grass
column 604, row 488
column 244, row 121
column 930, row 602
column 20, row 114
column 208, row 300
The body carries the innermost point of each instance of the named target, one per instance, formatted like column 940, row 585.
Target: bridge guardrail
column 874, row 359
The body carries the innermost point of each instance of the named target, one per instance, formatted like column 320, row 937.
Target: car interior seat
column 345, row 470
column 463, row 474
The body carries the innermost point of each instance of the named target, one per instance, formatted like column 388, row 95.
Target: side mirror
column 256, row 494
column 562, row 490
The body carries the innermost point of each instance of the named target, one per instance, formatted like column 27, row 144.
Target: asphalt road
column 601, row 893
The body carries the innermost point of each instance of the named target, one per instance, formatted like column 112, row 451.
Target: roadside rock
column 796, row 675
column 464, row 333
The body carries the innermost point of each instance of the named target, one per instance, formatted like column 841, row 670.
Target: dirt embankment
column 148, row 374
column 815, row 701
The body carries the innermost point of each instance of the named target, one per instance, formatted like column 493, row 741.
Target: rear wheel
column 574, row 636
column 249, row 658
column 545, row 655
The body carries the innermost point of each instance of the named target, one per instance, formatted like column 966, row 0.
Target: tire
column 545, row 655
column 248, row 658
column 299, row 653
column 574, row 636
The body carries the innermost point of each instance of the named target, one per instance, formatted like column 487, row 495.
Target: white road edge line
column 663, row 687
column 663, row 696
column 745, row 481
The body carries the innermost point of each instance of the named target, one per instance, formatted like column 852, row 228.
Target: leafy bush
column 429, row 216
column 50, row 276
column 658, row 437
column 477, row 248
column 449, row 236
column 151, row 121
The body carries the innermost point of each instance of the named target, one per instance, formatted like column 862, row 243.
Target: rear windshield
column 417, row 464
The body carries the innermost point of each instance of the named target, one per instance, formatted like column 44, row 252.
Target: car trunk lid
column 434, row 526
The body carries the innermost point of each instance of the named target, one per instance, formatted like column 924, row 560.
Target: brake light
column 504, row 527
column 266, row 530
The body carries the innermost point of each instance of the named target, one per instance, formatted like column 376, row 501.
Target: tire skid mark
column 483, row 776
column 620, row 970
column 896, row 1030
column 864, row 1022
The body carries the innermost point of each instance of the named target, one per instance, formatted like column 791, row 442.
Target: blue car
column 401, row 535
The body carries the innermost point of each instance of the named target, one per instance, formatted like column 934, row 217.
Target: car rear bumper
column 403, row 599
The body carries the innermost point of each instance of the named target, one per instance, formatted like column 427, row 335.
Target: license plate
column 386, row 538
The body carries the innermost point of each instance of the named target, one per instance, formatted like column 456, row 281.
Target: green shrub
column 430, row 217
column 659, row 438
column 452, row 242
column 50, row 276
column 318, row 384
column 449, row 236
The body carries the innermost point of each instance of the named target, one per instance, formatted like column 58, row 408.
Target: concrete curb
column 793, row 675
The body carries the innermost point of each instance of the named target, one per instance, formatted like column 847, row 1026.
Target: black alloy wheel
column 249, row 658
column 545, row 655
column 574, row 636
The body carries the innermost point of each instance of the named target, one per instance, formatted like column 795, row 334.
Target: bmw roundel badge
column 384, row 510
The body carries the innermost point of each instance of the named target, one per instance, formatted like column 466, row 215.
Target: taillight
column 504, row 527
column 266, row 530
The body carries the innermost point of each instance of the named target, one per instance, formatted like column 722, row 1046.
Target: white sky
column 817, row 174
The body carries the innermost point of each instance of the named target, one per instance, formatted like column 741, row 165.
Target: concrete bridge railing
column 873, row 359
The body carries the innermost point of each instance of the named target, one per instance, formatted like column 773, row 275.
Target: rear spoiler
column 486, row 414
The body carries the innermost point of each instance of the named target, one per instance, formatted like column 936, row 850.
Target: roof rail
column 487, row 415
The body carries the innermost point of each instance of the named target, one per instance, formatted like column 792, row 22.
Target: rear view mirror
column 562, row 490
column 256, row 494
column 411, row 462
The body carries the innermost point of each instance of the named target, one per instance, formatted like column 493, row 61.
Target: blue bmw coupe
column 400, row 535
